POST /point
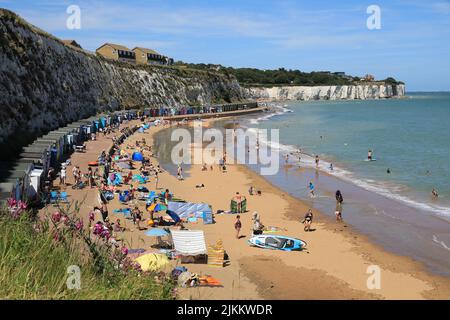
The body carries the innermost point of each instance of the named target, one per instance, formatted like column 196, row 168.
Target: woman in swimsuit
column 307, row 221
column 238, row 226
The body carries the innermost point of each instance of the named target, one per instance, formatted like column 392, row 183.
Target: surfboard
column 370, row 159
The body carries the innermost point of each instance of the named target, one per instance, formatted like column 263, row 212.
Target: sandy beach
column 334, row 265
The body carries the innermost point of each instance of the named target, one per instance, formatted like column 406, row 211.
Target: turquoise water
column 409, row 136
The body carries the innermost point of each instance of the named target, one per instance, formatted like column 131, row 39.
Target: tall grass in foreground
column 33, row 265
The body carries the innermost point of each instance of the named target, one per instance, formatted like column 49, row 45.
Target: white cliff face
column 363, row 92
column 45, row 84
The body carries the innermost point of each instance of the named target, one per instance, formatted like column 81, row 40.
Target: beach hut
column 59, row 140
column 43, row 146
column 39, row 154
column 68, row 138
column 16, row 175
column 40, row 159
column 35, row 181
column 55, row 149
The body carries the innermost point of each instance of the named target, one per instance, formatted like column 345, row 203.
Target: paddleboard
column 370, row 159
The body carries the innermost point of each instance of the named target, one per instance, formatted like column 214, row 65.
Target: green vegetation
column 257, row 77
column 35, row 255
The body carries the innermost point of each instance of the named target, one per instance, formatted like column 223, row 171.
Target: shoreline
column 334, row 265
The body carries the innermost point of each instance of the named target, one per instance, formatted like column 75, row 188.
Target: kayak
column 276, row 242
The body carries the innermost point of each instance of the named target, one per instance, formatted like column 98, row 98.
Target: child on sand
column 238, row 226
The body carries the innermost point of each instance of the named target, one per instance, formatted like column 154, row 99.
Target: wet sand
column 334, row 265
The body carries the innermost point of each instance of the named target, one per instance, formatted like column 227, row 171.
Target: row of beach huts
column 23, row 178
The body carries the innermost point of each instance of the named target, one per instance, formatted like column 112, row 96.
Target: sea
column 389, row 200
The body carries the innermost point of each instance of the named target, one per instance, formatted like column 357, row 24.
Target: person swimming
column 434, row 193
column 388, row 171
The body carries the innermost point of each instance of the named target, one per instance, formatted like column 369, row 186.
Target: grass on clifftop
column 33, row 265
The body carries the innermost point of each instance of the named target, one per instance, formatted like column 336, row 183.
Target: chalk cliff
column 45, row 84
column 369, row 91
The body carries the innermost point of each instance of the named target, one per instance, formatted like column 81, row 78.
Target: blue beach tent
column 137, row 156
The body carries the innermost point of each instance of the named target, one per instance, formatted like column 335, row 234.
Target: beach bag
column 108, row 195
column 177, row 271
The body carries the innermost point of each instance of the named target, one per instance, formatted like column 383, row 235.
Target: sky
column 412, row 43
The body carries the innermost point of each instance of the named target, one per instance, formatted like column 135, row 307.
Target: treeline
column 255, row 77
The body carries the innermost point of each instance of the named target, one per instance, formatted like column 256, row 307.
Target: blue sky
column 412, row 45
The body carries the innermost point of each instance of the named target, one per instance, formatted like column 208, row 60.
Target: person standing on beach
column 75, row 174
column 339, row 201
column 307, row 221
column 156, row 180
column 238, row 226
column 137, row 217
column 89, row 177
column 62, row 176
column 180, row 172
column 317, row 160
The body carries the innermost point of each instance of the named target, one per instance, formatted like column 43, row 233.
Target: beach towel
column 152, row 261
column 124, row 211
column 142, row 189
column 190, row 209
column 208, row 281
column 139, row 178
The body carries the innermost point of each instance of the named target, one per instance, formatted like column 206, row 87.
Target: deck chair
column 53, row 197
column 63, row 197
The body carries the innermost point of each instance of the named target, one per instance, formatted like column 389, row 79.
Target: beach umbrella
column 156, row 207
column 155, row 232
